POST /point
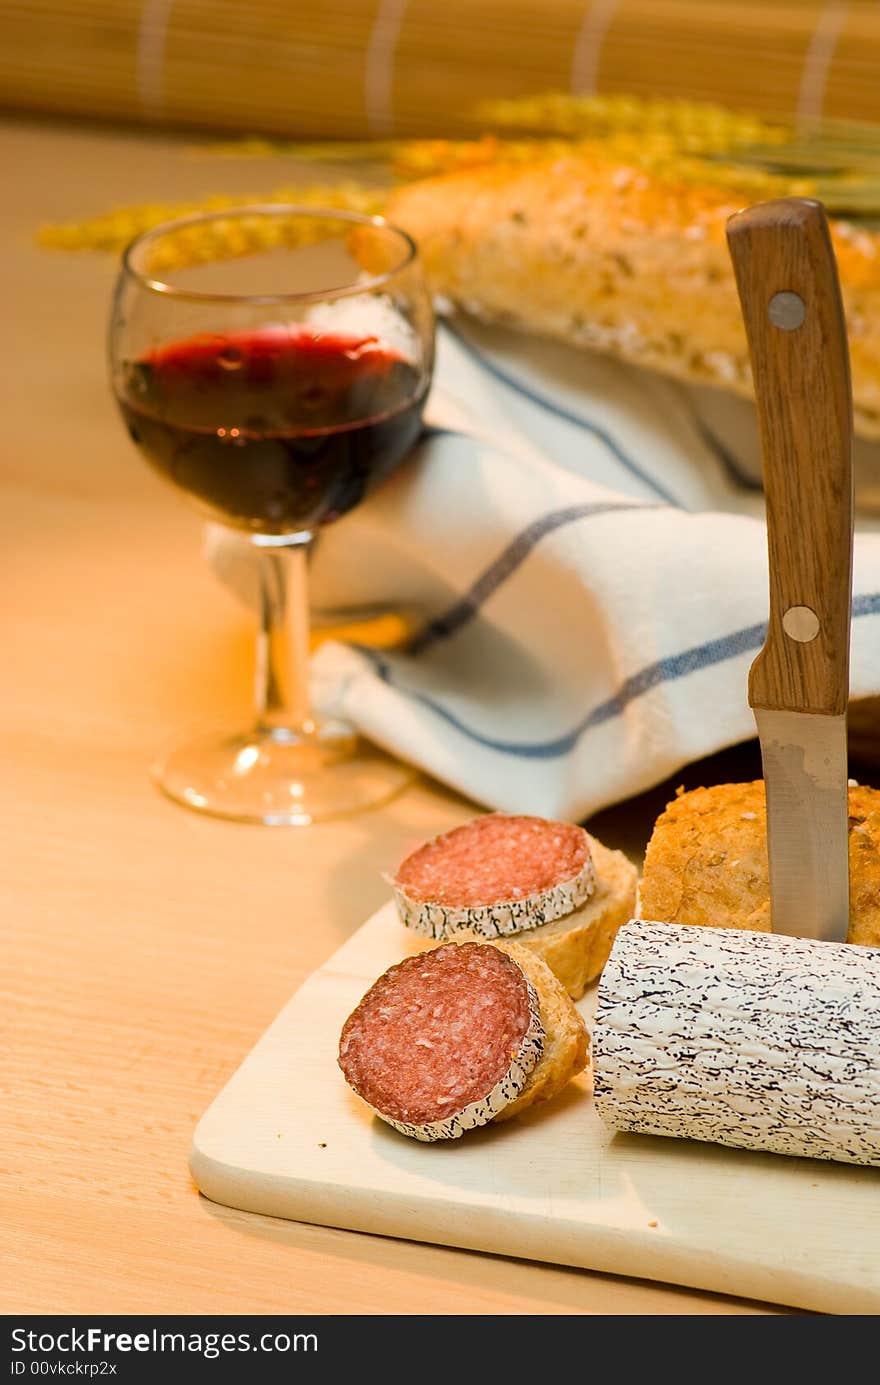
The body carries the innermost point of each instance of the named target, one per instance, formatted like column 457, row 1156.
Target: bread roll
column 706, row 862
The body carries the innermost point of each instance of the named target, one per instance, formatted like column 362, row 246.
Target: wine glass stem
column 282, row 670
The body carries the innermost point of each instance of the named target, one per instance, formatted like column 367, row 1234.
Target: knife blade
column 787, row 280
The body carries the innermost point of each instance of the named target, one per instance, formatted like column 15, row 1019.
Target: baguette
column 706, row 862
column 622, row 261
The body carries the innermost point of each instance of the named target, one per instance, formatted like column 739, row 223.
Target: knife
column 799, row 683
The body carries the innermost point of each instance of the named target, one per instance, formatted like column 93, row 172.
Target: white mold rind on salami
column 502, row 1094
column 440, row 921
column 514, row 854
column 753, row 1040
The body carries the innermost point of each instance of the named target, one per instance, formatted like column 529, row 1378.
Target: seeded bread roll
column 622, row 261
column 706, row 862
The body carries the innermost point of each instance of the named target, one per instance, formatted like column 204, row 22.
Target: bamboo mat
column 352, row 68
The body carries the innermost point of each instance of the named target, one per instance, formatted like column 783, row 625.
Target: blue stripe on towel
column 516, row 552
column 663, row 671
column 550, row 405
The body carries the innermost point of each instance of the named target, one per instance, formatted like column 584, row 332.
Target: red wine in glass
column 273, row 362
column 278, row 429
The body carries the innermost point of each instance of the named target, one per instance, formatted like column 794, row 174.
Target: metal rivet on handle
column 786, row 310
column 801, row 623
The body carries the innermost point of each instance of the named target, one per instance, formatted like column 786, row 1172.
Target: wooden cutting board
column 287, row 1138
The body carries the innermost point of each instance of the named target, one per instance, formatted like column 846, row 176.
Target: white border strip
column 150, row 58
column 588, row 46
column 817, row 63
column 379, row 65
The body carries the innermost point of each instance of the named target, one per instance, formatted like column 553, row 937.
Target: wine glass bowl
column 272, row 363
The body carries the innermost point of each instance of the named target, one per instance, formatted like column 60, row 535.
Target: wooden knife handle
column 790, row 296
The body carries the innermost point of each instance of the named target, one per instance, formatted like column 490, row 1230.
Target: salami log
column 749, row 1039
column 444, row 1040
column 495, row 876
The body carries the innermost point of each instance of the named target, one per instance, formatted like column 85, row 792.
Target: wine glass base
column 279, row 779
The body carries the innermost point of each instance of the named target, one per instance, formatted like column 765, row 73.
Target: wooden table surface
column 146, row 948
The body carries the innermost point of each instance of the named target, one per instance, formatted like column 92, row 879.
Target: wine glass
column 273, row 363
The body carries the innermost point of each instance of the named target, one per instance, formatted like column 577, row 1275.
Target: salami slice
column 494, row 876
column 444, row 1041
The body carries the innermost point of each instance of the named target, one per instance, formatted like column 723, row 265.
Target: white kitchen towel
column 588, row 574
